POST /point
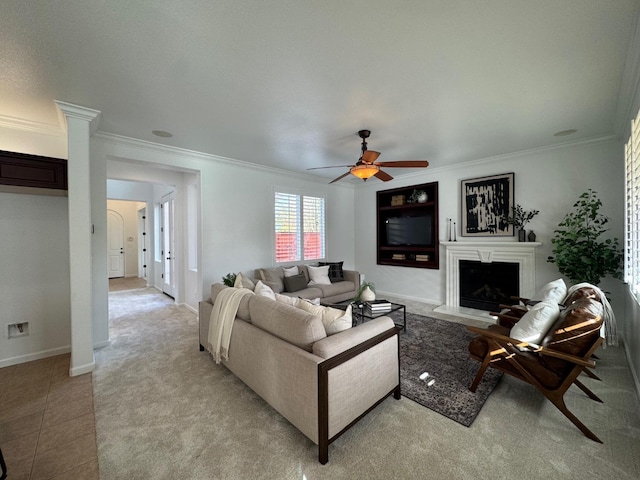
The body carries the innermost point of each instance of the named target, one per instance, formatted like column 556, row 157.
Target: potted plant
column 577, row 250
column 366, row 292
column 229, row 280
column 519, row 217
column 418, row 196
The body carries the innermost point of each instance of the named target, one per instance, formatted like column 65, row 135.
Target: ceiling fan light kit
column 367, row 166
column 364, row 171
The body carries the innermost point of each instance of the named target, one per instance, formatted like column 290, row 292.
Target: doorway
column 167, row 207
column 115, row 244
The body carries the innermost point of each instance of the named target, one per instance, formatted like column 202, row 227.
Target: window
column 299, row 227
column 632, row 210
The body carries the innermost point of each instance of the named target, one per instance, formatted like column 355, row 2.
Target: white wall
column 34, row 285
column 549, row 180
column 34, row 240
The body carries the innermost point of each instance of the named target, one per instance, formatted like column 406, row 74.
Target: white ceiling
column 289, row 83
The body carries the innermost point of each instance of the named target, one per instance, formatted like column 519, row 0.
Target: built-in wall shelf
column 407, row 228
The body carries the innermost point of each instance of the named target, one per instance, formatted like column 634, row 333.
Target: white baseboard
column 106, row 343
column 186, row 305
column 82, row 369
column 634, row 373
column 30, row 357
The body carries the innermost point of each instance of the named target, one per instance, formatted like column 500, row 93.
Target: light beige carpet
column 164, row 410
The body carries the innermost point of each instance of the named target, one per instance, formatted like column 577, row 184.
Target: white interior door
column 168, row 241
column 115, row 244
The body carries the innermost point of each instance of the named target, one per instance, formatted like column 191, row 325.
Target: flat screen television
column 416, row 231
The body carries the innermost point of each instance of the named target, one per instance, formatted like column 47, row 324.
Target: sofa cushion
column 243, row 308
column 244, row 282
column 304, row 269
column 336, row 288
column 289, row 300
column 336, row 274
column 290, row 271
column 309, row 292
column 289, row 323
column 273, row 277
column 264, row 290
column 319, row 275
column 343, row 341
column 295, row 282
column 333, row 319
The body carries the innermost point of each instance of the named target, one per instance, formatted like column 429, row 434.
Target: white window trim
column 632, row 210
column 301, row 194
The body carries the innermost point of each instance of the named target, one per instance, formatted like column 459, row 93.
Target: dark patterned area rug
column 439, row 348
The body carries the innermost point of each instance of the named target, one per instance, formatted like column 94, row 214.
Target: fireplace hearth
column 484, row 286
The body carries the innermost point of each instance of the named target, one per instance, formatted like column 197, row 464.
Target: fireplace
column 522, row 255
column 484, row 286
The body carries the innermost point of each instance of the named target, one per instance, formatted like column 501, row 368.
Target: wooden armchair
column 554, row 365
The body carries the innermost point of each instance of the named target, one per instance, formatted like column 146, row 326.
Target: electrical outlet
column 18, row 330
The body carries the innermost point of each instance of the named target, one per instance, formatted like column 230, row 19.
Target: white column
column 81, row 122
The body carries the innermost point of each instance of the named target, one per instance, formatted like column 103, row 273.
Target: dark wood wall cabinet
column 23, row 170
column 407, row 224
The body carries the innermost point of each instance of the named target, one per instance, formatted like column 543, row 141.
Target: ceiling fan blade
column 340, row 177
column 370, row 156
column 332, row 166
column 384, row 176
column 404, row 163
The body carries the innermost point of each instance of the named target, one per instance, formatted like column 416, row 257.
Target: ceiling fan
column 367, row 166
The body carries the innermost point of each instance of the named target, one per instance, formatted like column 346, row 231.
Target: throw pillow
column 339, row 324
column 244, row 282
column 312, row 301
column 336, row 274
column 264, row 290
column 319, row 275
column 273, row 277
column 295, row 283
column 535, row 324
column 332, row 318
column 291, row 271
column 553, row 292
column 293, row 301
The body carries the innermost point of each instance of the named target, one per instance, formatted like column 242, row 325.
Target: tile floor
column 47, row 424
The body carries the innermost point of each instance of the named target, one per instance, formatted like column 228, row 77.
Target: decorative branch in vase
column 519, row 217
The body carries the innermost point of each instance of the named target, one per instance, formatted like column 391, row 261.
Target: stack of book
column 377, row 306
column 422, row 258
column 398, row 256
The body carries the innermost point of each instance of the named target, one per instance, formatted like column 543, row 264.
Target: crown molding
column 30, row 126
column 70, row 110
column 178, row 153
column 629, row 98
column 513, row 155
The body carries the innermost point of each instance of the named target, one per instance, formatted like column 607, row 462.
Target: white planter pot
column 367, row 295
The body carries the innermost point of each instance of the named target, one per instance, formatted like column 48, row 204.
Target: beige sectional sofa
column 321, row 384
column 333, row 293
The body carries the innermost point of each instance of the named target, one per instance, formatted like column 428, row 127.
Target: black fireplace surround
column 484, row 286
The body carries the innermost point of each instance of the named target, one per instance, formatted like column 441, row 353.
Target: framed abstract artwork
column 484, row 204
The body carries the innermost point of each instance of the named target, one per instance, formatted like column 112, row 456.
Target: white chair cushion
column 535, row 324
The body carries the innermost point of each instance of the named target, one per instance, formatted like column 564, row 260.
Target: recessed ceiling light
column 564, row 133
column 162, row 133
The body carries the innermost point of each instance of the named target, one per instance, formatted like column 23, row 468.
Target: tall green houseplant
column 577, row 248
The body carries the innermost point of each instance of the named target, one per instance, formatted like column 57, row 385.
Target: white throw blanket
column 609, row 330
column 221, row 321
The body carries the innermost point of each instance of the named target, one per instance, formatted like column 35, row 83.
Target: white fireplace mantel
column 522, row 253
